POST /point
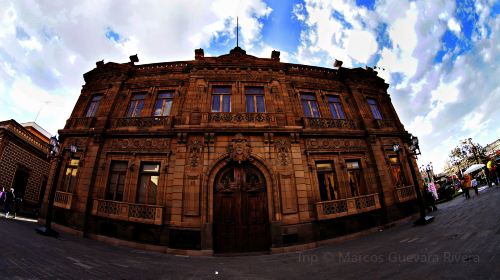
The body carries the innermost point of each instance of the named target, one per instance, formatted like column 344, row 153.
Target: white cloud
column 454, row 26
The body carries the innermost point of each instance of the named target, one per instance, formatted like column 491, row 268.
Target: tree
column 466, row 153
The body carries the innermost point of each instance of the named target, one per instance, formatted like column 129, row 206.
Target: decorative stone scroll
column 329, row 123
column 140, row 144
column 195, row 147
column 239, row 150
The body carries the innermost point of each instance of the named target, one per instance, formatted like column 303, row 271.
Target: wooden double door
column 241, row 221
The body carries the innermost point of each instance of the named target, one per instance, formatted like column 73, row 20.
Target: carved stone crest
column 194, row 148
column 239, row 150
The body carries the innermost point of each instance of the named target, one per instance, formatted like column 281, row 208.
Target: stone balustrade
column 139, row 213
column 75, row 123
column 403, row 194
column 241, row 118
column 142, row 122
column 346, row 207
column 321, row 123
column 63, row 199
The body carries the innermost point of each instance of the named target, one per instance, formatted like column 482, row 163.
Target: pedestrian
column 467, row 186
column 474, row 185
column 9, row 201
column 433, row 196
column 2, row 197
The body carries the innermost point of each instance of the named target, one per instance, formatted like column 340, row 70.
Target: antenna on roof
column 237, row 27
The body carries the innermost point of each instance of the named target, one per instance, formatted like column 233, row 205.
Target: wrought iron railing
column 405, row 194
column 139, row 213
column 329, row 123
column 63, row 199
column 346, row 207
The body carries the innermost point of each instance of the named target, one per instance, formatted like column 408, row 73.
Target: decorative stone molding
column 127, row 144
column 282, row 147
column 335, row 144
column 195, row 147
column 239, row 150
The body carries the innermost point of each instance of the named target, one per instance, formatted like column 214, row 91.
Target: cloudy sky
column 440, row 57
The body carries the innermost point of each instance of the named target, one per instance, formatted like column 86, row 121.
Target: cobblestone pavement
column 462, row 243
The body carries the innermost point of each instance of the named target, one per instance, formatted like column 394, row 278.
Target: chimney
column 275, row 55
column 199, row 54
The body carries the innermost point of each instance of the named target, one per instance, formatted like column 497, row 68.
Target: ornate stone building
column 231, row 154
column 23, row 162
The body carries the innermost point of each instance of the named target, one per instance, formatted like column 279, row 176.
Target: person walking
column 9, row 201
column 467, row 186
column 474, row 185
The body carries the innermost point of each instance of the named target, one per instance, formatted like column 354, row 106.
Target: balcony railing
column 346, row 207
column 328, row 123
column 139, row 213
column 63, row 200
column 80, row 122
column 142, row 122
column 240, row 118
column 405, row 194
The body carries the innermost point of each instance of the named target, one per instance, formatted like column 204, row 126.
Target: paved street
column 462, row 243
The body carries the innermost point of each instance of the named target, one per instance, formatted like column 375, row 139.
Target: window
column 69, row 181
column 396, row 171
column 136, row 105
column 310, row 106
column 221, row 99
column 255, row 99
column 163, row 103
column 93, row 106
column 116, row 184
column 356, row 184
column 148, row 183
column 336, row 107
column 328, row 187
column 374, row 108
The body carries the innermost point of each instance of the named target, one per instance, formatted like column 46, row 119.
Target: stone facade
column 23, row 163
column 216, row 173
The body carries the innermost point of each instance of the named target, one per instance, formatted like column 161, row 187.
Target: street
column 462, row 243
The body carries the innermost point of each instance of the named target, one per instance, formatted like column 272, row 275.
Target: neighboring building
column 493, row 149
column 23, row 161
column 232, row 153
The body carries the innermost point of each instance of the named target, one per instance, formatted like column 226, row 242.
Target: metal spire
column 237, row 25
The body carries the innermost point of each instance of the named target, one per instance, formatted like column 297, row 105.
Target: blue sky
column 439, row 57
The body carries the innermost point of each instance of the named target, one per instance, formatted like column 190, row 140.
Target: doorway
column 241, row 221
column 20, row 182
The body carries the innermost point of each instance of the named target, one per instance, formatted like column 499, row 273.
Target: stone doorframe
column 209, row 192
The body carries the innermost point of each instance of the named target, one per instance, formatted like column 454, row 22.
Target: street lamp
column 57, row 154
column 414, row 150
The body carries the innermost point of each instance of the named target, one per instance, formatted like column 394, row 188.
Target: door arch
column 241, row 220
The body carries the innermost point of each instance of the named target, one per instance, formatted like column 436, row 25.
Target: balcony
column 320, row 123
column 138, row 213
column 80, row 123
column 405, row 194
column 141, row 122
column 63, row 200
column 346, row 207
column 384, row 124
column 240, row 119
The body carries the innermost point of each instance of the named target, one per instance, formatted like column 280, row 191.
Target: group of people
column 467, row 183
column 8, row 201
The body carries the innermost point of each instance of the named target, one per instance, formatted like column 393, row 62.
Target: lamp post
column 414, row 150
column 54, row 154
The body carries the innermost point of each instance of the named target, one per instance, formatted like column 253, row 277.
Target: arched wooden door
column 241, row 222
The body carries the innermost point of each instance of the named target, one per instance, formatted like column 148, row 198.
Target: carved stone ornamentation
column 195, row 147
column 129, row 144
column 239, row 150
column 327, row 144
column 283, row 151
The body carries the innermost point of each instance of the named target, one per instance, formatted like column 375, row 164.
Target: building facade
column 232, row 154
column 23, row 162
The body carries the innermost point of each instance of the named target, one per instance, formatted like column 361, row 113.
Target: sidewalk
column 462, row 243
